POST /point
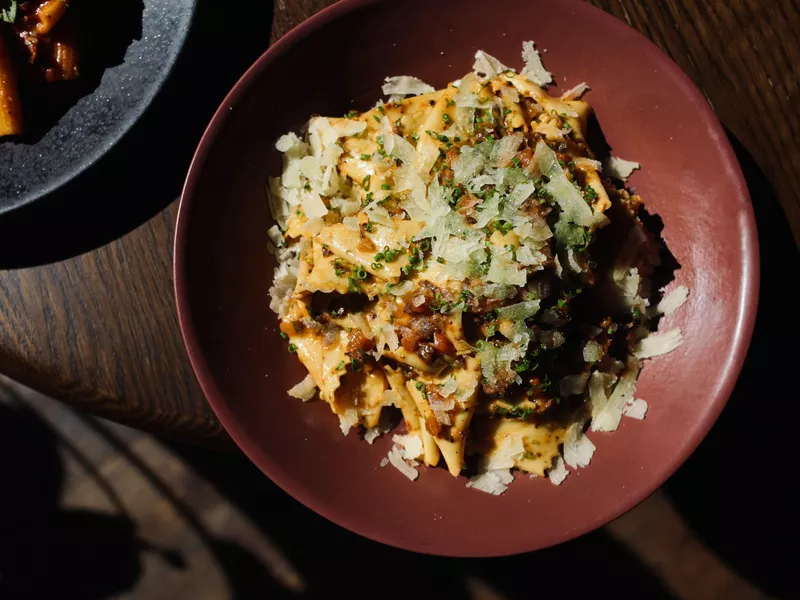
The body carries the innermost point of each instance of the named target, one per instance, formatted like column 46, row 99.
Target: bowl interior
column 648, row 110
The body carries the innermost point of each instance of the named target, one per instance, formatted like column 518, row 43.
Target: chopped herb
column 377, row 266
column 506, row 111
column 385, row 186
column 340, row 366
column 515, row 161
column 369, row 197
column 366, row 156
column 465, row 296
column 415, row 136
column 451, row 102
column 361, row 273
column 561, row 303
column 399, row 123
column 351, row 114
column 381, row 149
column 491, row 330
column 369, row 226
column 562, row 163
column 284, row 336
column 589, row 193
column 592, row 264
column 339, row 268
column 506, row 227
column 387, row 255
column 355, row 364
column 440, row 260
column 365, row 182
column 425, row 245
column 419, row 385
column 480, row 344
column 381, row 110
column 446, row 119
column 377, row 118
column 292, row 348
column 637, row 314
column 307, row 186
column 352, row 285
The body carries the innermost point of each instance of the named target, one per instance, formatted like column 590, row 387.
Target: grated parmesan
column 619, row 168
column 657, row 344
column 534, row 69
column 304, row 390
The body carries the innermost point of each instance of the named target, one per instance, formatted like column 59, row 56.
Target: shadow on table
column 144, row 173
column 46, row 550
column 735, row 490
column 335, row 562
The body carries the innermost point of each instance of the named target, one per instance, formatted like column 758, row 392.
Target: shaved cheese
column 386, row 134
column 352, row 223
column 487, row 66
column 488, row 211
column 534, row 69
column 520, row 311
column 592, row 352
column 345, row 206
column 619, row 168
column 673, row 301
column 378, row 214
column 504, row 150
column 657, row 344
column 276, row 237
column 448, row 387
column 373, row 433
column 403, row 150
column 304, row 390
column 576, row 92
column 410, row 445
column 558, row 472
column 395, row 457
column 401, row 288
column 503, row 269
column 348, row 420
column 467, row 164
column 467, row 96
column 313, row 206
column 635, row 409
column 529, row 257
column 578, row 449
column 609, row 416
column 571, row 262
column 573, row 206
column 507, row 451
column 491, row 482
column 406, row 85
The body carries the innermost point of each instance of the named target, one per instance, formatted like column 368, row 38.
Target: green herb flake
column 365, row 182
column 292, row 348
column 415, row 136
column 377, row 118
column 446, row 119
column 385, row 186
column 340, row 366
column 284, row 336
column 419, row 385
column 366, row 156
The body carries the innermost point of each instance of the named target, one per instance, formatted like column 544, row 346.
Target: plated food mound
column 460, row 255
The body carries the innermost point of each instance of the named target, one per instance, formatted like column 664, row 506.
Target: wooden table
column 97, row 328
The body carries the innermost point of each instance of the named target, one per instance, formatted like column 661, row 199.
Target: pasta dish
column 37, row 40
column 460, row 257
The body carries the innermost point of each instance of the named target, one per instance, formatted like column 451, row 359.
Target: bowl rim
column 112, row 141
column 747, row 294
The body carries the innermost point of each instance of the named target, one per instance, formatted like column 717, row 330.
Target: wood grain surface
column 99, row 330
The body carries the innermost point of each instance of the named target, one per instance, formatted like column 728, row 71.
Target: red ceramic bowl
column 649, row 111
